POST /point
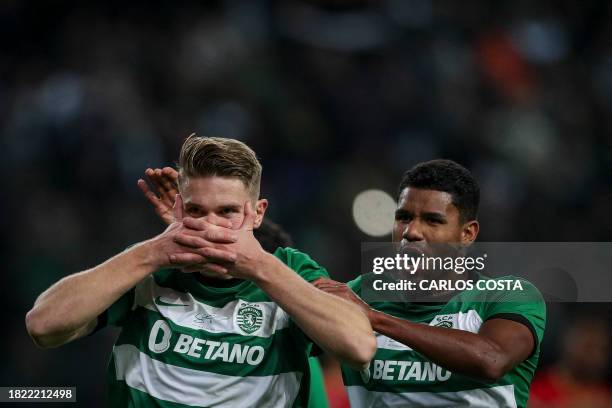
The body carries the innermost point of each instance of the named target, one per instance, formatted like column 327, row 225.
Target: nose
column 412, row 232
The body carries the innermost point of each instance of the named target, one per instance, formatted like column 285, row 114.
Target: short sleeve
column 355, row 285
column 118, row 313
column 525, row 305
column 301, row 263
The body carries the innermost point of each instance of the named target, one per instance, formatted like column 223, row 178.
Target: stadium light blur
column 373, row 212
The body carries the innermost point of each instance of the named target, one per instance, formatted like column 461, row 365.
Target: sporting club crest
column 249, row 318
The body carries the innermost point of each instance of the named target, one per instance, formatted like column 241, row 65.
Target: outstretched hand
column 165, row 189
column 341, row 290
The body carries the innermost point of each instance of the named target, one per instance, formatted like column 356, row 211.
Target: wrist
column 148, row 254
column 373, row 317
column 263, row 267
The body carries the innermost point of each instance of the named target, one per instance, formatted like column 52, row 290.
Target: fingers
column 164, row 184
column 249, row 217
column 211, row 259
column 216, row 268
column 165, row 190
column 144, row 187
column 342, row 292
column 167, row 177
column 171, row 175
column 332, row 287
column 154, row 176
column 327, row 283
column 336, row 292
column 190, row 241
column 219, row 221
column 160, row 207
column 201, row 239
column 177, row 210
column 210, row 267
column 216, row 255
column 201, row 224
column 316, row 281
column 220, row 235
column 192, row 268
column 186, row 259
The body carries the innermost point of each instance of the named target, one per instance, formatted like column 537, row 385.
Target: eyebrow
column 401, row 212
column 233, row 206
column 435, row 216
column 432, row 215
column 230, row 206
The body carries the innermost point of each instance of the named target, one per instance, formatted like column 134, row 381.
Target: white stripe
column 190, row 313
column 469, row 321
column 199, row 388
column 388, row 343
column 501, row 396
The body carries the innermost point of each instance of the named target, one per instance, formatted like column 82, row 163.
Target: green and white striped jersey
column 400, row 377
column 186, row 344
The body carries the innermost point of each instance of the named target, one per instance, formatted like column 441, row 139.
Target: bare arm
column 487, row 355
column 337, row 326
column 68, row 310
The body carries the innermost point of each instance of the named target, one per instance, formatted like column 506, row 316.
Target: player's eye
column 403, row 217
column 434, row 221
column 194, row 212
column 227, row 211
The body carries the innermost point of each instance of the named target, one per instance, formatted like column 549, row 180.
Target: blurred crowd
column 335, row 96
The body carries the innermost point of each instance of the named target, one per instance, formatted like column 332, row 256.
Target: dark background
column 335, row 97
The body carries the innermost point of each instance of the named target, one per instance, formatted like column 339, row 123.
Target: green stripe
column 282, row 351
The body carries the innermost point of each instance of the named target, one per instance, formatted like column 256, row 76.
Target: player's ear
column 260, row 210
column 469, row 232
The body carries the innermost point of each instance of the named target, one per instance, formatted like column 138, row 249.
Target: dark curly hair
column 450, row 177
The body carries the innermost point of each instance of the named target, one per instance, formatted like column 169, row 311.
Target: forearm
column 459, row 351
column 71, row 304
column 337, row 326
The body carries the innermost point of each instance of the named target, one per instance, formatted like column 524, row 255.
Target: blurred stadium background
column 336, row 97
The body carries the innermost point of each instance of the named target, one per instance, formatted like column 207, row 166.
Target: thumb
column 177, row 210
column 249, row 217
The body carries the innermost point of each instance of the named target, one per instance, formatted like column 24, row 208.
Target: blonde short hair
column 217, row 156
